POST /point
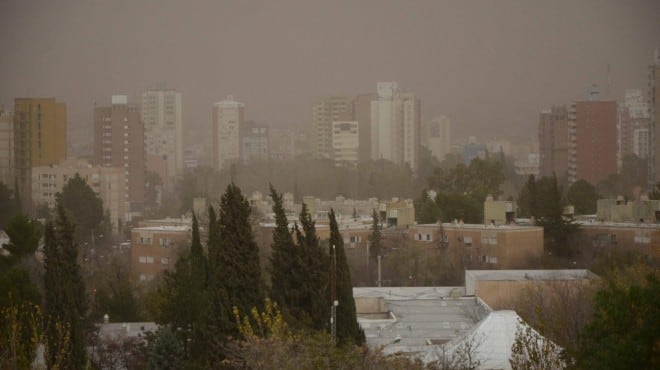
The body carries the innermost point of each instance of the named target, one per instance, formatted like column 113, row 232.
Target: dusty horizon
column 491, row 67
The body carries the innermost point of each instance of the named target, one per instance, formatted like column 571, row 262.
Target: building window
column 467, row 240
column 165, row 261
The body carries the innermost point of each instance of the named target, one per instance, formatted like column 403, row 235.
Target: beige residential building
column 6, row 148
column 119, row 142
column 503, row 289
column 324, row 112
column 345, row 143
column 161, row 115
column 155, row 249
column 482, row 246
column 553, row 142
column 39, row 138
column 107, row 182
column 228, row 120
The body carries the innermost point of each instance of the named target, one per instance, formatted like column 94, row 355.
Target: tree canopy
column 84, row 206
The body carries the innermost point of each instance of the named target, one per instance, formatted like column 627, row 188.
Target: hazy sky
column 490, row 66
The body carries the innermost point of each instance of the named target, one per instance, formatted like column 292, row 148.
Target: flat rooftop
column 420, row 318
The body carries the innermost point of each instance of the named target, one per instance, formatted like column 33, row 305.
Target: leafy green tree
column 528, row 199
column 115, row 297
column 532, row 351
column 65, row 301
column 426, row 210
column 543, row 199
column 84, row 207
column 456, row 206
column 24, row 235
column 165, row 350
column 583, row 196
column 348, row 329
column 624, row 332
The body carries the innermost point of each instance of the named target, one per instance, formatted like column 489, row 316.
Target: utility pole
column 333, row 297
column 379, row 279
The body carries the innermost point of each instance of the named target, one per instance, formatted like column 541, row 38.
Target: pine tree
column 348, row 329
column 283, row 258
column 66, row 303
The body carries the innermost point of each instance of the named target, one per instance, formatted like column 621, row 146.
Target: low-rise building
column 618, row 210
column 502, row 289
column 155, row 249
column 486, row 246
column 499, row 212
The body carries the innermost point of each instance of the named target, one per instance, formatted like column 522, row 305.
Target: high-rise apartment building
column 161, row 115
column 592, row 134
column 228, row 116
column 345, row 142
column 254, row 142
column 119, row 142
column 324, row 112
column 395, row 125
column 553, row 142
column 6, row 148
column 362, row 114
column 436, row 136
column 39, row 138
column 654, row 124
column 633, row 125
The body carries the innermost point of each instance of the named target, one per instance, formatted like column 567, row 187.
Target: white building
column 162, row 118
column 437, row 137
column 6, row 148
column 227, row 121
column 395, row 125
column 345, row 142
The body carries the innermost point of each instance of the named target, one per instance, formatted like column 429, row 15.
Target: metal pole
column 379, row 277
column 334, row 303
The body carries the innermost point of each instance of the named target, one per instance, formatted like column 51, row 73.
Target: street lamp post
column 335, row 302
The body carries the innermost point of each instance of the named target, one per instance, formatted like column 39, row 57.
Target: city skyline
column 510, row 59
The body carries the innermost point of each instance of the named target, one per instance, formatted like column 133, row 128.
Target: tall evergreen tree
column 187, row 283
column 348, row 329
column 66, row 303
column 235, row 271
column 375, row 243
column 311, row 275
column 283, row 259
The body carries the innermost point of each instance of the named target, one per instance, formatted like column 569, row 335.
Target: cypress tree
column 348, row 329
column 235, row 271
column 375, row 242
column 187, row 283
column 283, row 258
column 311, row 275
column 66, row 304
